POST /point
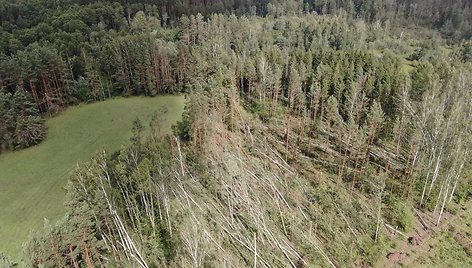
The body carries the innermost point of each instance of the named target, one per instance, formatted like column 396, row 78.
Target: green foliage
column 466, row 52
column 20, row 123
column 73, row 240
column 194, row 114
column 445, row 249
column 263, row 110
column 422, row 79
column 79, row 51
column 377, row 250
column 464, row 188
column 80, row 91
column 399, row 213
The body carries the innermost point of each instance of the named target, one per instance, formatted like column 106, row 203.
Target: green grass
column 32, row 180
column 445, row 250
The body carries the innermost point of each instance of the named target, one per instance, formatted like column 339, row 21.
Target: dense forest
column 65, row 52
column 309, row 126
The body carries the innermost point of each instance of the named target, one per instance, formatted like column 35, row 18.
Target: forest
column 315, row 133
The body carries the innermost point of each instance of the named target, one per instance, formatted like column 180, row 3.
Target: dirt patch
column 397, row 257
column 425, row 232
column 465, row 241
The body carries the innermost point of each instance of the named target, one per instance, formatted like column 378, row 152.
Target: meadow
column 32, row 180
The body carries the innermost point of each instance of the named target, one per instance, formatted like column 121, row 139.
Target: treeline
column 63, row 67
column 64, row 53
column 451, row 17
column 69, row 52
column 20, row 122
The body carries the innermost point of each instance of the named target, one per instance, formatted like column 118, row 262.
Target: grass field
column 32, row 180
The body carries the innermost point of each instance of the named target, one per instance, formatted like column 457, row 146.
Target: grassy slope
column 445, row 250
column 32, row 180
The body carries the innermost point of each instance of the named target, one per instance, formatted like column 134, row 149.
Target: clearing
column 32, row 180
column 446, row 245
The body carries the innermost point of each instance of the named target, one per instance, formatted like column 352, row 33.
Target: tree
column 21, row 125
column 375, row 120
column 333, row 121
